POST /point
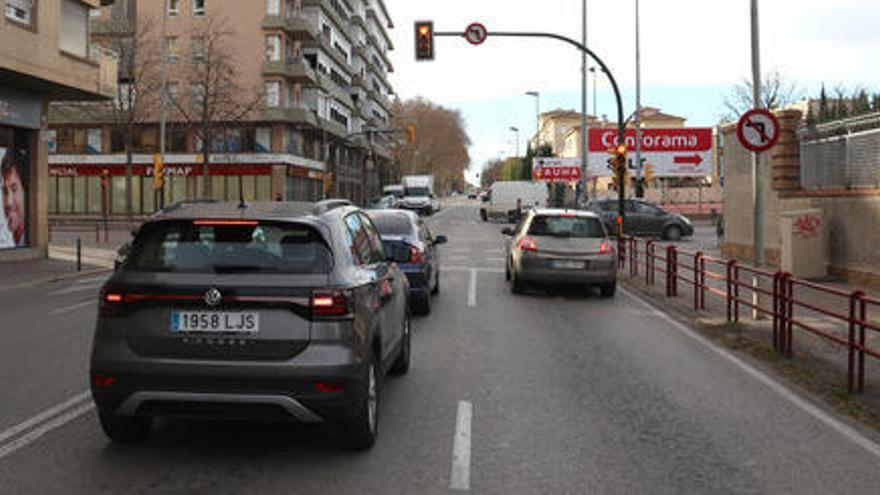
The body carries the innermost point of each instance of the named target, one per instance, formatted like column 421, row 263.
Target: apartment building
column 321, row 69
column 45, row 55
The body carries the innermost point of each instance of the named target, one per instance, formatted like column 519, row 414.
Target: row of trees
column 513, row 168
column 843, row 104
column 209, row 97
column 440, row 147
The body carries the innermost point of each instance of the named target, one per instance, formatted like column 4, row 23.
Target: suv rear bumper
column 276, row 391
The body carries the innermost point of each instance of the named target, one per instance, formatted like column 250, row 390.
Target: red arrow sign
column 689, row 160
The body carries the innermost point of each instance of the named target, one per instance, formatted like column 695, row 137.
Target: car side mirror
column 507, row 231
column 399, row 254
column 440, row 239
column 121, row 256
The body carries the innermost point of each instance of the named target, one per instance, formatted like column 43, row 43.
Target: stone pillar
column 785, row 164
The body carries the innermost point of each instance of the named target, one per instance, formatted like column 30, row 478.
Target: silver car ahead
column 560, row 247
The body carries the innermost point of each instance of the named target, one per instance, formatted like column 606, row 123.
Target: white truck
column 508, row 199
column 418, row 194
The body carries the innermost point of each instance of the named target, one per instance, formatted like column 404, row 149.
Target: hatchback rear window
column 392, row 224
column 566, row 226
column 229, row 247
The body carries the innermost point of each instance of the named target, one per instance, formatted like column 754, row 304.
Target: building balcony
column 327, row 7
column 342, row 95
column 297, row 26
column 334, row 128
column 297, row 70
column 371, row 14
column 290, row 115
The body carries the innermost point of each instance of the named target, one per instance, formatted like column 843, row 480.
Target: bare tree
column 441, row 146
column 137, row 49
column 776, row 92
column 216, row 100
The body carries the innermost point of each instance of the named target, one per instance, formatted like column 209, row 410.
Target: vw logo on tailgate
column 213, row 297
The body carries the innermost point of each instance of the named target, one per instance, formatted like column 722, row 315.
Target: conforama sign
column 673, row 152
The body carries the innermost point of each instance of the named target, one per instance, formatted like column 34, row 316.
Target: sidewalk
column 807, row 346
column 16, row 275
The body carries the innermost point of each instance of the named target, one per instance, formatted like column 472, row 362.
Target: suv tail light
column 110, row 301
column 527, row 244
column 606, row 248
column 332, row 304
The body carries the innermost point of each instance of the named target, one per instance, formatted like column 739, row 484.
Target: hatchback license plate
column 215, row 321
column 568, row 265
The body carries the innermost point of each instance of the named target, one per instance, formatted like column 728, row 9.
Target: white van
column 507, row 199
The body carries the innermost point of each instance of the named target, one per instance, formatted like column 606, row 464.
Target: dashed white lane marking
column 804, row 405
column 460, row 478
column 468, row 268
column 35, row 434
column 78, row 404
column 75, row 288
column 72, row 307
column 92, row 280
column 472, row 291
column 495, row 259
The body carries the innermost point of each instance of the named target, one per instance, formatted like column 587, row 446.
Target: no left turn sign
column 476, row 33
column 758, row 130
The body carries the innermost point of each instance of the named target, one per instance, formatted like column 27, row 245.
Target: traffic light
column 424, row 40
column 158, row 171
column 410, row 134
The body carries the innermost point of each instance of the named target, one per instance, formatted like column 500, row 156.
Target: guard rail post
column 854, row 299
column 778, row 312
column 789, row 313
column 671, row 271
column 649, row 262
column 698, row 256
column 78, row 254
column 863, row 315
column 633, row 257
column 730, row 267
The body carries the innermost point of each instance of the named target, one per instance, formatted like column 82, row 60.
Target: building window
column 273, row 7
column 273, row 94
column 198, row 7
column 20, row 10
column 173, row 7
column 173, row 90
column 273, row 48
column 198, row 47
column 74, row 32
column 172, row 49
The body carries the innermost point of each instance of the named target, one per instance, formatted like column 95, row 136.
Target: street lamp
column 640, row 190
column 516, row 130
column 537, row 97
column 595, row 70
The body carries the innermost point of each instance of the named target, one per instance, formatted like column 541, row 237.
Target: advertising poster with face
column 13, row 194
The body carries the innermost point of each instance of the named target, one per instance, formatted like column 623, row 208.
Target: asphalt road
column 536, row 393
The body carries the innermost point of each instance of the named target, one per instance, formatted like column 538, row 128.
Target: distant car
column 395, row 190
column 273, row 311
column 419, row 199
column 643, row 218
column 405, row 231
column 384, row 202
column 560, row 247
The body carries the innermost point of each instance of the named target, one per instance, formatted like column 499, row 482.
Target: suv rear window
column 215, row 247
column 566, row 226
column 392, row 224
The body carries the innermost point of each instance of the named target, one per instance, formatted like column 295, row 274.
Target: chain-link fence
column 841, row 162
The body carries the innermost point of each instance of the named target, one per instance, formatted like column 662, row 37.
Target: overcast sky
column 692, row 52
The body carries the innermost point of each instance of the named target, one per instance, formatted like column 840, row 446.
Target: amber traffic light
column 424, row 40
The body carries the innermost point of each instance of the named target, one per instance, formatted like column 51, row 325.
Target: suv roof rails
column 326, row 205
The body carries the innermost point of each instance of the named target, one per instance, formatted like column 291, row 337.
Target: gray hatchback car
column 560, row 247
column 265, row 311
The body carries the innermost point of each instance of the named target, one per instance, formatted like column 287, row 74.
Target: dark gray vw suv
column 265, row 311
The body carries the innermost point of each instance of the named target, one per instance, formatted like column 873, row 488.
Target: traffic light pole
column 621, row 128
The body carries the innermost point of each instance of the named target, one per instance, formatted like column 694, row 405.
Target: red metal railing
column 790, row 302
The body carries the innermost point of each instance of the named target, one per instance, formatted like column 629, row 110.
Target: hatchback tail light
column 527, row 244
column 331, row 304
column 416, row 256
column 606, row 248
